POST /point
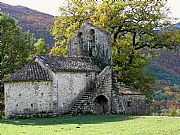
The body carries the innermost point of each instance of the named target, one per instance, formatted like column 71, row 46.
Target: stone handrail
column 102, row 77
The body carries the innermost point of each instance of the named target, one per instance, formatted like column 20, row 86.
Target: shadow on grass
column 83, row 119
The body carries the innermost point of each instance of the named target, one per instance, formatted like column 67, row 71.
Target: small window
column 19, row 94
column 31, row 105
column 128, row 103
column 42, row 94
column 17, row 105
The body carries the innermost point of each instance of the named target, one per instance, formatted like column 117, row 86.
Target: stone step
column 86, row 96
column 87, row 93
column 83, row 98
column 74, row 108
column 76, row 105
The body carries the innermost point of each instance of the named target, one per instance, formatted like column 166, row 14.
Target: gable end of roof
column 31, row 72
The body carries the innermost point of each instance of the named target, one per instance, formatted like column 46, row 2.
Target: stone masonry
column 80, row 83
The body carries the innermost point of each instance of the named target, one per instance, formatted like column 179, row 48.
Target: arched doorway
column 100, row 105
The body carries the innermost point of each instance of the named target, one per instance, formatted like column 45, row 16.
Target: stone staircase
column 76, row 106
column 99, row 83
column 101, row 78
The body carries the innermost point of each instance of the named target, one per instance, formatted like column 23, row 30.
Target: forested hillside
column 32, row 21
column 167, row 66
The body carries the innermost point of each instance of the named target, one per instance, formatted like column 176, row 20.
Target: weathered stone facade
column 55, row 90
column 79, row 83
column 93, row 42
column 127, row 100
column 69, row 87
column 28, row 97
column 130, row 104
column 99, row 99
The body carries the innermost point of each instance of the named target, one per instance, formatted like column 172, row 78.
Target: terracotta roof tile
column 33, row 71
column 127, row 90
column 59, row 63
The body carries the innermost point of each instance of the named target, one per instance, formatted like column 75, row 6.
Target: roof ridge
column 58, row 63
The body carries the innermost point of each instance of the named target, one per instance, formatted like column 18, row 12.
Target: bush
column 1, row 101
column 1, row 114
column 151, row 111
column 178, row 112
column 173, row 112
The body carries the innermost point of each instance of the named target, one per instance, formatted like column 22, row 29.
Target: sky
column 51, row 6
column 46, row 6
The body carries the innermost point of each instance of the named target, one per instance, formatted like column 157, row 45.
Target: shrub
column 173, row 112
column 151, row 111
column 1, row 114
column 178, row 112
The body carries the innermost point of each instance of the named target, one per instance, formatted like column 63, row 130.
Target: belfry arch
column 80, row 42
column 91, row 42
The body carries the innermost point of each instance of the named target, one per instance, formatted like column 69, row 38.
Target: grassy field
column 93, row 125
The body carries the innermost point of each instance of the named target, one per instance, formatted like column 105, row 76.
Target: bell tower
column 92, row 42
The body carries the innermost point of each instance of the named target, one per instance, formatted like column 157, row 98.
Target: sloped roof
column 130, row 92
column 33, row 71
column 127, row 90
column 59, row 63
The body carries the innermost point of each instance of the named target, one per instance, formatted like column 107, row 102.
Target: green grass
column 93, row 125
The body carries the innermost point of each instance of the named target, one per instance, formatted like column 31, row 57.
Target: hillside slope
column 167, row 66
column 31, row 20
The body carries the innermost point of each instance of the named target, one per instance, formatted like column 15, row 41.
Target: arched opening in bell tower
column 91, row 42
column 80, row 42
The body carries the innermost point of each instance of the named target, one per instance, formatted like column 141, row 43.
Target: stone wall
column 101, row 88
column 130, row 104
column 27, row 97
column 101, row 52
column 69, row 87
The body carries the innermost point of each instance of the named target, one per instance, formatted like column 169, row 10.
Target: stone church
column 82, row 83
